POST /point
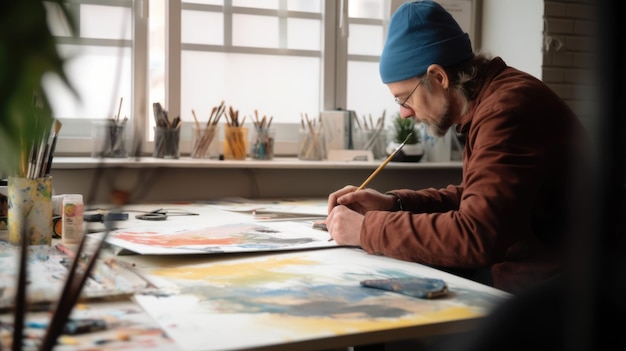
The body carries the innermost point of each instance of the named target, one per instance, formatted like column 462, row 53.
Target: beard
column 443, row 124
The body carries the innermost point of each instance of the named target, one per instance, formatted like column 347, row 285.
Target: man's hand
column 344, row 225
column 346, row 212
column 361, row 201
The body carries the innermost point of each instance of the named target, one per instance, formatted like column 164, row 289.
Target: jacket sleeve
column 431, row 199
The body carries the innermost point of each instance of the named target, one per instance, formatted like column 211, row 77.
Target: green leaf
column 403, row 127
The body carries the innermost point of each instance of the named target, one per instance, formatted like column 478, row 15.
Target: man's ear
column 438, row 74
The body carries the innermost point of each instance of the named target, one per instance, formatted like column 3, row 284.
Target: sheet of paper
column 47, row 271
column 229, row 226
column 227, row 238
column 128, row 328
column 308, row 208
column 265, row 300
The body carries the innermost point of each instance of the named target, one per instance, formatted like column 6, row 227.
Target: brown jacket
column 509, row 214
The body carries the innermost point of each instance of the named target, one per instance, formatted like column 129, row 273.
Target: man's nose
column 406, row 112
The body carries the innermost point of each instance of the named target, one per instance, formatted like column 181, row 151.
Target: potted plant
column 405, row 129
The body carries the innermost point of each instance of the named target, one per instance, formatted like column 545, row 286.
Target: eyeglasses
column 403, row 103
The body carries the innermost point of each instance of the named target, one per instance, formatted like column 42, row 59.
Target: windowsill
column 190, row 179
column 276, row 163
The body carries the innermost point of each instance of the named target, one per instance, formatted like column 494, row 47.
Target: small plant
column 403, row 127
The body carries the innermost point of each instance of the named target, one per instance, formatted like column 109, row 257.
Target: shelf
column 276, row 163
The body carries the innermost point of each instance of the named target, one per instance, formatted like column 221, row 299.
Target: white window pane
column 100, row 75
column 260, row 4
column 305, row 5
column 366, row 8
column 366, row 93
column 105, row 22
column 304, row 34
column 278, row 86
column 206, row 2
column 365, row 40
column 255, row 31
column 202, row 28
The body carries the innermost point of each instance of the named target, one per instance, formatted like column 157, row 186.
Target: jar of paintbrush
column 204, row 136
column 311, row 140
column 235, row 137
column 109, row 139
column 263, row 142
column 109, row 136
column 166, row 134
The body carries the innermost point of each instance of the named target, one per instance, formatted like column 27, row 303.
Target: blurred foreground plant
column 27, row 52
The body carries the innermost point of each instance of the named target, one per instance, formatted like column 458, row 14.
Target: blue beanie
column 422, row 33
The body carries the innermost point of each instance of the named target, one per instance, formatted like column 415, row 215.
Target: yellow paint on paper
column 242, row 273
column 339, row 326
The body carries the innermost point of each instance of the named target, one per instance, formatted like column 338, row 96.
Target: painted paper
column 227, row 238
column 292, row 297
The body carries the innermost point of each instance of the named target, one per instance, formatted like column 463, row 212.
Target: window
column 281, row 58
column 366, row 95
column 99, row 67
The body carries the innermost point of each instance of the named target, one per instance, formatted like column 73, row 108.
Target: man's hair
column 466, row 76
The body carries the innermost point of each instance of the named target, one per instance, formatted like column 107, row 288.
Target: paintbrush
column 55, row 133
column 32, row 160
column 76, row 278
column 382, row 165
column 195, row 120
column 42, row 156
column 20, row 297
column 119, row 109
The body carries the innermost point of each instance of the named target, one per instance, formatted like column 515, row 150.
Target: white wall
column 512, row 29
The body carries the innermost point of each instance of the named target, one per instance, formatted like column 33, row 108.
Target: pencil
column 382, row 165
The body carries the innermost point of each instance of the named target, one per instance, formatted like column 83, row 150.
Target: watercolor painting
column 226, row 238
column 48, row 268
column 128, row 328
column 293, row 297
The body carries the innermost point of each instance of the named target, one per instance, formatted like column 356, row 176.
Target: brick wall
column 568, row 59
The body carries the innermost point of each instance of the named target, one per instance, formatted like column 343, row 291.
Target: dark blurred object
column 28, row 52
column 581, row 310
column 105, row 217
column 4, row 206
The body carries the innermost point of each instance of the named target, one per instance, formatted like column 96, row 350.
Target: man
column 505, row 224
